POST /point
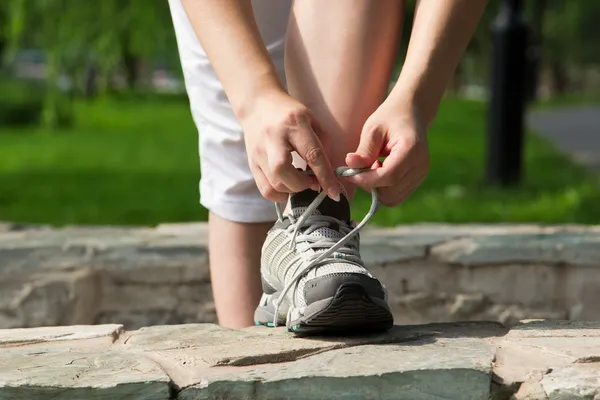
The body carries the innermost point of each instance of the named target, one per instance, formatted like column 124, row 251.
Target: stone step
column 462, row 361
column 139, row 276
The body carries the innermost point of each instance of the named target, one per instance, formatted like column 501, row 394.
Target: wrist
column 261, row 89
column 407, row 106
column 414, row 97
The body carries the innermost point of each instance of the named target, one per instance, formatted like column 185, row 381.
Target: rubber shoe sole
column 350, row 311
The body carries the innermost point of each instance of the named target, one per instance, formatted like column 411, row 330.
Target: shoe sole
column 350, row 311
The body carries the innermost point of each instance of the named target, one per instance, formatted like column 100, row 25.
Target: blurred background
column 95, row 126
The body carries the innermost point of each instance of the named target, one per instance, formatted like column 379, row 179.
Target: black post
column 508, row 95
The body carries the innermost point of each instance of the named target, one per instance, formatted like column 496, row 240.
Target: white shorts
column 227, row 187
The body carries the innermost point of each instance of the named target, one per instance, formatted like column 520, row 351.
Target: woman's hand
column 276, row 126
column 400, row 137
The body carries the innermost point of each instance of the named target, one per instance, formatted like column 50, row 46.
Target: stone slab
column 560, row 359
column 43, row 374
column 437, row 369
column 218, row 346
column 22, row 336
column 567, row 247
column 580, row 381
column 141, row 276
column 99, row 247
column 411, row 362
column 536, row 360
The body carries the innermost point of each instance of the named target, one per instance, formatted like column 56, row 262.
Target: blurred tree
column 537, row 10
column 93, row 42
column 564, row 43
column 558, row 32
column 474, row 64
column 570, row 39
column 89, row 42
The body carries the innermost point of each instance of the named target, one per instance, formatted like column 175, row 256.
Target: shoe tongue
column 340, row 210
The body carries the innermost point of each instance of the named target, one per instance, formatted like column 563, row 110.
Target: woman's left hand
column 400, row 136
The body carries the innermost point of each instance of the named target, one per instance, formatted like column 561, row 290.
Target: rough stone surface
column 36, row 374
column 11, row 337
column 434, row 273
column 470, row 360
column 134, row 276
column 425, row 362
column 75, row 362
column 550, row 360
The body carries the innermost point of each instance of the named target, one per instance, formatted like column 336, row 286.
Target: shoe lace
column 308, row 223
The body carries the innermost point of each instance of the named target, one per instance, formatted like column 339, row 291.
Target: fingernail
column 334, row 196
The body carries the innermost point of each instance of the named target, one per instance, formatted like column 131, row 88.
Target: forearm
column 230, row 37
column 440, row 35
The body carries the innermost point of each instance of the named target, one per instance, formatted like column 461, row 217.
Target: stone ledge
column 141, row 276
column 537, row 360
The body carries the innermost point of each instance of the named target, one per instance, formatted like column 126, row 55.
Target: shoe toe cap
column 327, row 286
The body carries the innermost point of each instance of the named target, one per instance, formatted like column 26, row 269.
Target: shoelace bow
column 313, row 221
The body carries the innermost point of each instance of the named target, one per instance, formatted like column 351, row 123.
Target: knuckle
column 370, row 129
column 279, row 167
column 257, row 151
column 288, row 120
column 294, row 116
column 389, row 201
column 279, row 187
column 313, row 155
column 408, row 141
column 374, row 130
column 270, row 193
column 269, row 132
column 262, row 188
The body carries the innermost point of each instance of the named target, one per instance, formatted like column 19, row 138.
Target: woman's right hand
column 276, row 126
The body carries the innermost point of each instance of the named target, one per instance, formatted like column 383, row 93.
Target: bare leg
column 235, row 270
column 339, row 59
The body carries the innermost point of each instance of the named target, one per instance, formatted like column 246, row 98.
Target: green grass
column 134, row 161
column 125, row 162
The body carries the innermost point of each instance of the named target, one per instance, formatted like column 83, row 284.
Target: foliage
column 570, row 31
column 92, row 42
column 135, row 161
column 22, row 104
column 75, row 35
column 19, row 104
column 77, row 32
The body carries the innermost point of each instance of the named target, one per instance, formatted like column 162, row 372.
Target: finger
column 266, row 189
column 393, row 196
column 392, row 170
column 282, row 174
column 348, row 179
column 369, row 148
column 307, row 144
column 276, row 183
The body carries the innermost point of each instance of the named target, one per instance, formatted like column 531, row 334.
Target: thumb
column 369, row 148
